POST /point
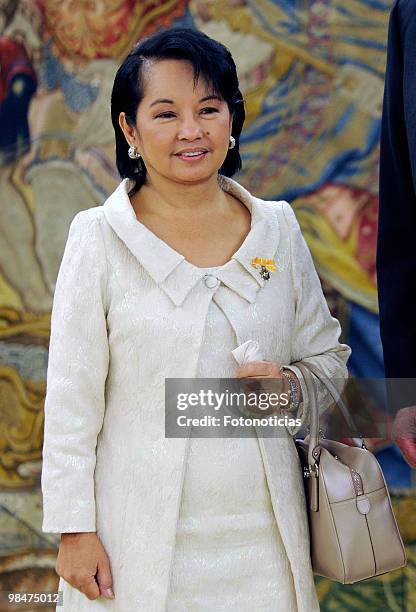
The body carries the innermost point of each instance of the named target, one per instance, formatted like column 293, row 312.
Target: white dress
column 229, row 554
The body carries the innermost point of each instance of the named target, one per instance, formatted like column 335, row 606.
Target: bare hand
column 84, row 564
column 259, row 369
column 405, row 433
column 265, row 374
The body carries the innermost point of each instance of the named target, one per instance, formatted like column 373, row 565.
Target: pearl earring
column 232, row 142
column 133, row 153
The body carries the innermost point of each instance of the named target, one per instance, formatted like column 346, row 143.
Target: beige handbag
column 353, row 530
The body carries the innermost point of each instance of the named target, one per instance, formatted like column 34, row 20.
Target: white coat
column 128, row 312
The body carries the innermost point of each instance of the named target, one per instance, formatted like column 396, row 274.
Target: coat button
column 211, row 281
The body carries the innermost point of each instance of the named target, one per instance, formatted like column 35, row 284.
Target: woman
column 163, row 281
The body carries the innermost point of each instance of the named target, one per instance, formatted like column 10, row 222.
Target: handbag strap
column 314, row 449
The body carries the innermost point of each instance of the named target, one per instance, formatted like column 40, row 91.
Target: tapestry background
column 312, row 76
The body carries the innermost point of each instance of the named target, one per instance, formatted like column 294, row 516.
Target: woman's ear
column 128, row 130
column 231, row 124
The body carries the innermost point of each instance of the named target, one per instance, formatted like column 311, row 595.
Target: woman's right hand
column 84, row 564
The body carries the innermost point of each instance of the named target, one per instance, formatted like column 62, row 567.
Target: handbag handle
column 314, row 449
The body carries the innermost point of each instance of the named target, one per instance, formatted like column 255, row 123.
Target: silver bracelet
column 294, row 391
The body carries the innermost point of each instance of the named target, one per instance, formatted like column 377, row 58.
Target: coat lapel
column 171, row 271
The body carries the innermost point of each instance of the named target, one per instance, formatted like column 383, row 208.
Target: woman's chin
column 194, row 175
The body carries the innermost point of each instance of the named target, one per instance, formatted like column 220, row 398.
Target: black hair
column 208, row 57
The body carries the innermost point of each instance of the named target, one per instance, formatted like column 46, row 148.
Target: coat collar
column 171, row 271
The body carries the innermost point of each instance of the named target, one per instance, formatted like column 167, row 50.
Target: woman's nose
column 190, row 128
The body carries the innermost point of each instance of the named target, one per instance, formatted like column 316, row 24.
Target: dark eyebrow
column 166, row 101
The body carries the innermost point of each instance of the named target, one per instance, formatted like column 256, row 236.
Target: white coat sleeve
column 316, row 333
column 76, row 375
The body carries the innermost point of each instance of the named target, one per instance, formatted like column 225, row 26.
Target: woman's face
column 174, row 117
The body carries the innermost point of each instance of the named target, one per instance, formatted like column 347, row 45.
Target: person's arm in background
column 396, row 251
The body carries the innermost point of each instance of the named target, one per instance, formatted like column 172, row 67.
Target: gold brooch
column 265, row 265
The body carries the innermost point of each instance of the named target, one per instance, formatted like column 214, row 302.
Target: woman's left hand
column 267, row 372
column 259, row 369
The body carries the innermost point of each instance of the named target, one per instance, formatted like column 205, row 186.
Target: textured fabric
column 130, row 311
column 229, row 554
